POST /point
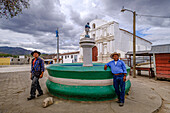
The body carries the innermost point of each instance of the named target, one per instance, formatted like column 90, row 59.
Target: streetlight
column 134, row 40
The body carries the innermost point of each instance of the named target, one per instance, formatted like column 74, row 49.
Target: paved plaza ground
column 146, row 96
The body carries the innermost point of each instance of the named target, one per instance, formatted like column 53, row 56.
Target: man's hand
column 105, row 67
column 41, row 75
column 124, row 78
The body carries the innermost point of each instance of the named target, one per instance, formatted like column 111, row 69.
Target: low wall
column 4, row 61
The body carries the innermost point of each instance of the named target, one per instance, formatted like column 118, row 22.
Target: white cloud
column 158, row 35
column 35, row 28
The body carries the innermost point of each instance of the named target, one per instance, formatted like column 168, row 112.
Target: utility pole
column 134, row 44
column 57, row 45
column 134, row 34
column 134, row 40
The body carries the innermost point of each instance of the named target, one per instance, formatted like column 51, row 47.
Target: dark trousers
column 35, row 85
column 119, row 86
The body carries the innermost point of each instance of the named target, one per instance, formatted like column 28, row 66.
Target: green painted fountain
column 85, row 81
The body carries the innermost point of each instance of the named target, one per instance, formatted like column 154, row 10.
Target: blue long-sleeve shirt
column 38, row 65
column 120, row 67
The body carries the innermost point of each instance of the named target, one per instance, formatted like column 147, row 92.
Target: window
column 18, row 59
column 75, row 58
column 71, row 56
column 93, row 35
column 94, row 26
column 65, row 57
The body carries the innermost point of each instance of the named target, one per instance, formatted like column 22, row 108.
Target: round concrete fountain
column 85, row 81
column 75, row 82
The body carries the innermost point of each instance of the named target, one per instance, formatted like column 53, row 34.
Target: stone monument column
column 87, row 44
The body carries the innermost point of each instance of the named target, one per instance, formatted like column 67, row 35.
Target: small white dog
column 48, row 101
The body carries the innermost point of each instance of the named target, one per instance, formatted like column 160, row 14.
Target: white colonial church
column 110, row 38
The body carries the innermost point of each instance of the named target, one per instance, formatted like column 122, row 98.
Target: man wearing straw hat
column 37, row 70
column 119, row 72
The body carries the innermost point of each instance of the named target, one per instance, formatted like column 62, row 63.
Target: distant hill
column 14, row 50
column 2, row 53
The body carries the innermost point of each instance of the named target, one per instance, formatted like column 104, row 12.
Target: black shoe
column 31, row 97
column 39, row 94
column 121, row 104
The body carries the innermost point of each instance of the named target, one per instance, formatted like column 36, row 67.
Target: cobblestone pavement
column 15, row 88
column 14, row 91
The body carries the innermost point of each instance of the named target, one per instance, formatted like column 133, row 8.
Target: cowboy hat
column 35, row 52
column 115, row 53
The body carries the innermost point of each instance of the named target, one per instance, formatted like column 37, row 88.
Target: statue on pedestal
column 87, row 27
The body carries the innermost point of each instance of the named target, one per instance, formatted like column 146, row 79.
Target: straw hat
column 115, row 53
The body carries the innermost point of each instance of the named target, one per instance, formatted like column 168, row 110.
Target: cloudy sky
column 35, row 27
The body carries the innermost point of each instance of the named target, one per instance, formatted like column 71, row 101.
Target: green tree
column 11, row 8
column 8, row 55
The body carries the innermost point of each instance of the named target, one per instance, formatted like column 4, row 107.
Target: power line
column 153, row 16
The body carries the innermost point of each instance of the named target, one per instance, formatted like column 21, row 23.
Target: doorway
column 94, row 53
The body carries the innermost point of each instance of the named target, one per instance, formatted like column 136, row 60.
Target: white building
column 71, row 57
column 110, row 38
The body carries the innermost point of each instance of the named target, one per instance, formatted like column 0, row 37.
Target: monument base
column 87, row 44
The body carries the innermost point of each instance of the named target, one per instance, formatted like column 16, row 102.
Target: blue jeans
column 119, row 86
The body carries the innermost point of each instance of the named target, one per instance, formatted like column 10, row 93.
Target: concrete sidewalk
column 15, row 88
column 141, row 99
column 15, row 68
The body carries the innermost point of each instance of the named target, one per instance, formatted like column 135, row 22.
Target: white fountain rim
column 79, row 82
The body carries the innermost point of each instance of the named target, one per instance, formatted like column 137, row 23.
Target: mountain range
column 14, row 50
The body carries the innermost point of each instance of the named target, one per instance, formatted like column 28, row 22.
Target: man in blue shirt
column 119, row 72
column 37, row 70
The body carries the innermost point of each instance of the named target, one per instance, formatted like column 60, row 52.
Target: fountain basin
column 75, row 82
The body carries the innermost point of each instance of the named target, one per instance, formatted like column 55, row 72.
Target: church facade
column 110, row 38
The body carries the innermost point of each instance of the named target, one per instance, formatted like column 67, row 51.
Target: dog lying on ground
column 47, row 101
